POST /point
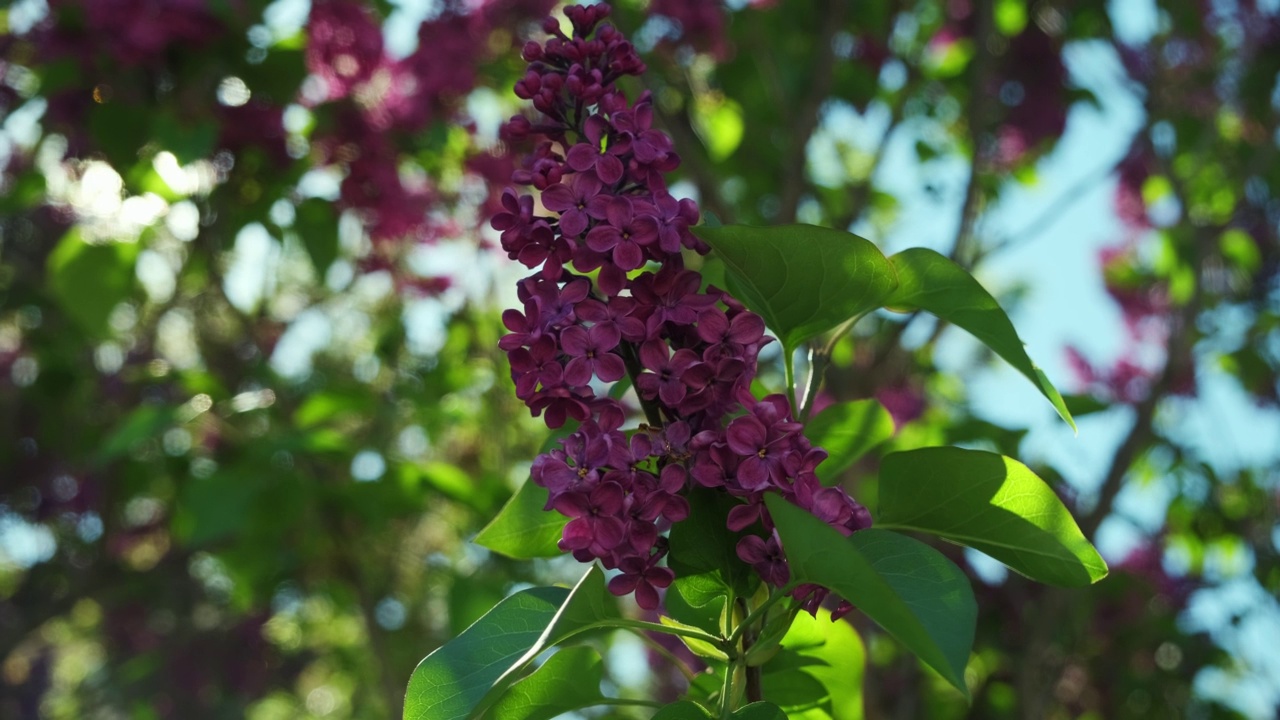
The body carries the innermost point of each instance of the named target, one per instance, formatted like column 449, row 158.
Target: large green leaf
column 89, row 280
column 846, row 431
column 818, row 673
column 927, row 280
column 568, row 680
column 759, row 711
column 468, row 673
column 453, row 680
column 683, row 710
column 802, row 279
column 698, row 600
column 317, row 228
column 990, row 503
column 702, row 543
column 911, row 590
column 523, row 529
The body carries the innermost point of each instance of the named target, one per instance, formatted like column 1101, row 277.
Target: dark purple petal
column 603, row 238
column 559, row 198
column 751, row 549
column 582, row 157
column 745, row 435
column 753, row 474
column 609, row 169
column 743, row 516
column 578, row 372
column 609, row 367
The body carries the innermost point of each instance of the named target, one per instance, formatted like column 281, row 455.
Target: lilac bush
column 612, row 298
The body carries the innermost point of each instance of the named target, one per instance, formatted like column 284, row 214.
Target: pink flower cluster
column 689, row 351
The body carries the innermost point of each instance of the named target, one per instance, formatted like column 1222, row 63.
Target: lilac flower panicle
column 599, row 204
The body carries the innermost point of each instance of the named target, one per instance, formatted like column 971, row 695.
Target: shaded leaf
column 317, row 228
column 701, row 648
column 703, row 544
column 216, row 507
column 911, row 590
column 990, row 503
column 683, row 710
column 89, row 280
column 697, row 600
column 454, row 679
column 802, row 279
column 523, row 529
column 818, row 673
column 759, row 711
column 846, row 431
column 144, row 423
column 469, row 672
column 568, row 680
column 927, row 280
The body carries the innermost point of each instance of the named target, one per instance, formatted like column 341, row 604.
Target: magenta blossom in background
column 344, row 45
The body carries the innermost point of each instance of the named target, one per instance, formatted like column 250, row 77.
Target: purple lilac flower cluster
column 690, row 352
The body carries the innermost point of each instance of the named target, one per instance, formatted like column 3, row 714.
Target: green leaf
column 90, row 280
column 818, row 673
column 144, row 423
column 702, row 544
column 187, row 141
column 701, row 648
column 698, row 600
column 802, row 279
column 683, row 710
column 523, row 529
column 759, row 711
column 216, row 507
column 465, row 675
column 846, row 431
column 929, row 281
column 317, row 228
column 911, row 590
column 454, row 679
column 718, row 122
column 991, row 503
column 567, row 681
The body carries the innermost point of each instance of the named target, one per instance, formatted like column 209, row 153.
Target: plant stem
column 726, row 690
column 665, row 653
column 632, row 361
column 754, row 692
column 818, row 360
column 788, row 366
column 754, row 615
column 670, row 630
column 629, row 702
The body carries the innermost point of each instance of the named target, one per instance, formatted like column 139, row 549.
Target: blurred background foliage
column 251, row 406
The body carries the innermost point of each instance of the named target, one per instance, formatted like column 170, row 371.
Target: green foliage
column 90, row 279
column 909, row 589
column 701, row 544
column 683, row 710
column 470, row 672
column 990, row 503
column 802, row 279
column 568, row 680
column 818, row 673
column 454, row 680
column 759, row 711
column 847, row 431
column 524, row 529
column 928, row 281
